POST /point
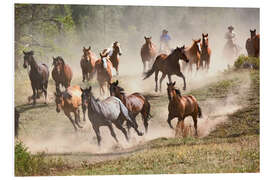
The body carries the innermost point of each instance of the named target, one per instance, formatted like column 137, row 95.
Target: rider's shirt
column 165, row 38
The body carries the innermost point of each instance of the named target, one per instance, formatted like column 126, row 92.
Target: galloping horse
column 88, row 63
column 193, row 53
column 39, row 75
column 168, row 65
column 148, row 53
column 61, row 73
column 205, row 53
column 253, row 44
column 107, row 112
column 181, row 107
column 114, row 57
column 135, row 103
column 103, row 67
column 69, row 101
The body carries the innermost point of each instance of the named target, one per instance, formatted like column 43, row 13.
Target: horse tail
column 151, row 71
column 199, row 112
column 125, row 112
column 148, row 108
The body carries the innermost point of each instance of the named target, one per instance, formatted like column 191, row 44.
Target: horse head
column 196, row 44
column 181, row 53
column 148, row 40
column 171, row 90
column 115, row 90
column 87, row 52
column 28, row 58
column 205, row 39
column 86, row 93
column 116, row 48
column 252, row 33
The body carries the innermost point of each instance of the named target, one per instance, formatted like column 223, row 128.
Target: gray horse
column 107, row 112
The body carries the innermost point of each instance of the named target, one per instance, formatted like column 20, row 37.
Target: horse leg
column 119, row 126
column 77, row 118
column 180, row 74
column 34, row 95
column 144, row 66
column 145, row 117
column 45, row 86
column 195, row 124
column 96, row 129
column 84, row 111
column 160, row 80
column 170, row 117
column 71, row 120
column 156, row 79
column 112, row 132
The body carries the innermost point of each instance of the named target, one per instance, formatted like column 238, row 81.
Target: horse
column 16, row 123
column 103, row 67
column 87, row 63
column 69, row 101
column 114, row 57
column 135, row 103
column 253, row 44
column 205, row 52
column 107, row 112
column 168, row 65
column 61, row 73
column 38, row 74
column 193, row 53
column 181, row 107
column 148, row 53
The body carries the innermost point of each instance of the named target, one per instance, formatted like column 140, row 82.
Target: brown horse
column 135, row 103
column 69, row 101
column 193, row 53
column 38, row 74
column 103, row 67
column 148, row 53
column 61, row 73
column 181, row 107
column 88, row 63
column 168, row 65
column 205, row 53
column 114, row 57
column 253, row 44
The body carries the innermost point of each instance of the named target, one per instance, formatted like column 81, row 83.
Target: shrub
column 243, row 60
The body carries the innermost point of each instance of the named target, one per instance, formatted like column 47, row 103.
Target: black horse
column 107, row 112
column 39, row 75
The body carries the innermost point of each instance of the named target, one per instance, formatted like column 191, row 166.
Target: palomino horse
column 39, row 75
column 69, row 101
column 103, row 67
column 253, row 44
column 114, row 57
column 135, row 103
column 107, row 112
column 88, row 63
column 181, row 107
column 148, row 53
column 205, row 53
column 193, row 53
column 61, row 73
column 168, row 65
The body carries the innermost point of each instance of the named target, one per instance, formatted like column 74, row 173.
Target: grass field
column 229, row 134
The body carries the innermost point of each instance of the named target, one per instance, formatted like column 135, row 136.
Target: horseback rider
column 231, row 37
column 164, row 41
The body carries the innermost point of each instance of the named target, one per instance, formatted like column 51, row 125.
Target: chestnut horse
column 181, row 107
column 205, row 53
column 135, row 103
column 253, row 44
column 103, row 67
column 61, row 73
column 114, row 57
column 168, row 65
column 193, row 53
column 148, row 53
column 69, row 101
column 39, row 75
column 88, row 63
column 107, row 112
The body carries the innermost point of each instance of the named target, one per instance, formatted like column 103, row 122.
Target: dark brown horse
column 88, row 61
column 69, row 101
column 107, row 112
column 103, row 67
column 148, row 53
column 253, row 44
column 114, row 57
column 181, row 107
column 39, row 75
column 193, row 53
column 205, row 53
column 168, row 65
column 135, row 103
column 61, row 73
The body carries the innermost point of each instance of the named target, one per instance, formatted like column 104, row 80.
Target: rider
column 231, row 36
column 164, row 40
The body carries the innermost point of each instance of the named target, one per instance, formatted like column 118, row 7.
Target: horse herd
column 119, row 107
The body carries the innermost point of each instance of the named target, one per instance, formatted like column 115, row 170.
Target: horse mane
column 61, row 59
column 178, row 92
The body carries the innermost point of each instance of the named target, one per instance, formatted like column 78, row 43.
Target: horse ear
column 206, row 35
column 100, row 54
column 202, row 35
column 250, row 30
column 83, row 48
column 116, row 83
column 89, row 48
column 168, row 84
column 173, row 83
column 81, row 89
column 24, row 52
column 90, row 88
column 145, row 37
